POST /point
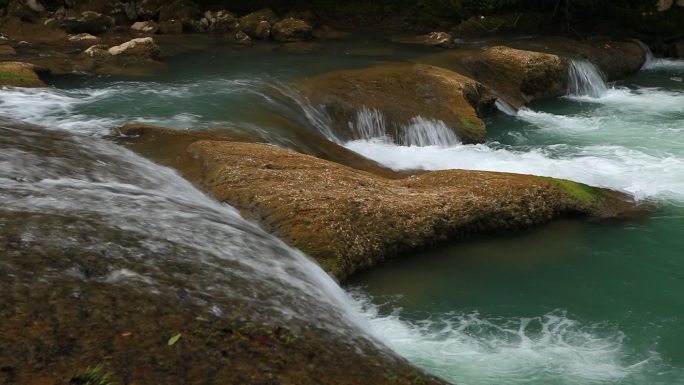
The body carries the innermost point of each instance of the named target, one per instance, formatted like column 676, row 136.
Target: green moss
column 93, row 376
column 13, row 76
column 580, row 192
column 471, row 125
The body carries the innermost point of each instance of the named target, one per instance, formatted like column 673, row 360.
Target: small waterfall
column 505, row 108
column 584, row 79
column 650, row 59
column 370, row 123
column 427, row 132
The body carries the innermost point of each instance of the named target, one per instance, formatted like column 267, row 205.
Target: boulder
column 98, row 52
column 615, row 59
column 403, row 93
column 149, row 27
column 181, row 10
column 221, row 22
column 349, row 220
column 148, row 9
column 258, row 24
column 519, row 76
column 140, row 48
column 26, row 10
column 19, row 74
column 83, row 38
column 89, row 22
column 291, row 29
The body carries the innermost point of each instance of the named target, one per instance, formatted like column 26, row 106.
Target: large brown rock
column 292, row 29
column 349, row 220
column 519, row 76
column 18, row 74
column 258, row 24
column 403, row 92
column 88, row 22
column 180, row 10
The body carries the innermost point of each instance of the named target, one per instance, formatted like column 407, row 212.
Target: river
column 570, row 303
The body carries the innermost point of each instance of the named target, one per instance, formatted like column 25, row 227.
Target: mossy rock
column 19, row 74
column 403, row 92
column 349, row 220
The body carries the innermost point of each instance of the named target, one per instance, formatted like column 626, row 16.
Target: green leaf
column 174, row 339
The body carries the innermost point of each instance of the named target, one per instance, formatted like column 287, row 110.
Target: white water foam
column 470, row 349
column 616, row 167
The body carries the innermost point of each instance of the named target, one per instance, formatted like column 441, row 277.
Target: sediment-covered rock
column 88, row 22
column 183, row 11
column 149, row 27
column 292, row 29
column 18, row 74
column 169, row 147
column 403, row 92
column 435, row 39
column 349, row 220
column 519, row 76
column 221, row 22
column 141, row 48
column 258, row 24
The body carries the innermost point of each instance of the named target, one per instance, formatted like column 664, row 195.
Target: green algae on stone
column 579, row 191
column 19, row 74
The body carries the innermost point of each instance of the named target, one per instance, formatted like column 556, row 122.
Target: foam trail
column 584, row 79
column 616, row 167
column 470, row 349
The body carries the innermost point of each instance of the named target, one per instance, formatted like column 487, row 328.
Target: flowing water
column 571, row 303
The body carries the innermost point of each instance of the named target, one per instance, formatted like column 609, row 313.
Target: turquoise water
column 569, row 303
column 573, row 302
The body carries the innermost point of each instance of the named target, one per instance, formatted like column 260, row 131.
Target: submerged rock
column 350, row 220
column 403, row 93
column 519, row 76
column 435, row 39
column 19, row 74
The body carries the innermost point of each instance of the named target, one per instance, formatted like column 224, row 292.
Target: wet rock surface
column 350, row 220
column 403, row 92
column 112, row 267
column 18, row 74
column 519, row 76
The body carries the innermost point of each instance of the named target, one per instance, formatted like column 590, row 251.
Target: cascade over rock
column 403, row 92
